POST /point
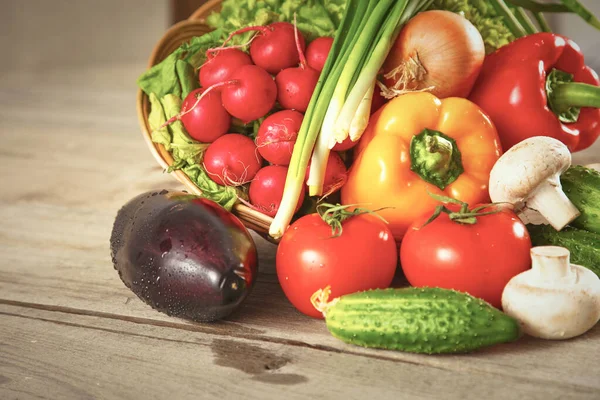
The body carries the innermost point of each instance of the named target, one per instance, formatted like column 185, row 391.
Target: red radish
column 378, row 99
column 273, row 48
column 221, row 65
column 250, row 94
column 317, row 52
column 295, row 86
column 266, row 189
column 277, row 135
column 232, row 160
column 207, row 120
column 336, row 174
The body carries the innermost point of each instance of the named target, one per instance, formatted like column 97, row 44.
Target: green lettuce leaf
column 187, row 77
column 226, row 196
column 156, row 119
column 482, row 15
column 170, row 76
column 315, row 17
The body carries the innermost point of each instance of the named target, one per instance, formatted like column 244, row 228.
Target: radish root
column 261, row 29
column 228, row 178
column 303, row 63
column 341, row 181
column 210, row 52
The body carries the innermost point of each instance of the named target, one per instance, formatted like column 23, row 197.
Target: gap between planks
column 80, row 361
column 218, row 331
column 49, row 315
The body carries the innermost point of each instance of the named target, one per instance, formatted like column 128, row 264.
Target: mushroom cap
column 525, row 166
column 559, row 308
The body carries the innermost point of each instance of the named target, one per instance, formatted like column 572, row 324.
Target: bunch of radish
column 274, row 80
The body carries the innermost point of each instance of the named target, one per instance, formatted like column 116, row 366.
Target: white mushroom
column 528, row 176
column 554, row 299
column 595, row 166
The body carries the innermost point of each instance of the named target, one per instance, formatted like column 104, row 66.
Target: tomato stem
column 334, row 215
column 465, row 215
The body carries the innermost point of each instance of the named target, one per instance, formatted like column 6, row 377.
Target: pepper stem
column 565, row 97
column 436, row 158
column 574, row 94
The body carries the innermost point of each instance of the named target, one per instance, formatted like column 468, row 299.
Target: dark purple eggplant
column 184, row 255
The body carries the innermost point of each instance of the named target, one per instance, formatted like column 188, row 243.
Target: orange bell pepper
column 418, row 143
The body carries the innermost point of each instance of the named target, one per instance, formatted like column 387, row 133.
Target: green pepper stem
column 573, row 94
column 441, row 146
column 436, row 158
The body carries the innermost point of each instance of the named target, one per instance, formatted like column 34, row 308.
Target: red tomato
column 308, row 258
column 478, row 259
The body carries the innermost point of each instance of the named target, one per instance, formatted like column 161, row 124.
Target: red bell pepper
column 539, row 85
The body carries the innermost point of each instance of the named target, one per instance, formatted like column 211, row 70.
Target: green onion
column 536, row 7
column 348, row 68
column 539, row 17
column 509, row 19
column 400, row 13
column 361, row 118
column 311, row 123
column 583, row 12
column 523, row 19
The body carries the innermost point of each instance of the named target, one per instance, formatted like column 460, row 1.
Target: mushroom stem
column 550, row 201
column 551, row 262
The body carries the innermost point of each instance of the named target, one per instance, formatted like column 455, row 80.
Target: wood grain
column 51, row 352
column 67, row 169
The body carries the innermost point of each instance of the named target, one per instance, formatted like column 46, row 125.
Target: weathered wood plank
column 58, row 355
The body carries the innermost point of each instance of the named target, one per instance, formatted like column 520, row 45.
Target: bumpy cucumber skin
column 582, row 187
column 584, row 246
column 419, row 320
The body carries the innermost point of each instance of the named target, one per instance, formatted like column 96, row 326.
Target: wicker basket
column 172, row 39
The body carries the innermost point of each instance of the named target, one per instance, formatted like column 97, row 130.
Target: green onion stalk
column 354, row 55
column 311, row 124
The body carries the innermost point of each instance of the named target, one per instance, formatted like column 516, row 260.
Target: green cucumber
column 584, row 246
column 418, row 320
column 582, row 187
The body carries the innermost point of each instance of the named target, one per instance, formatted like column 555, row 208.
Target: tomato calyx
column 334, row 214
column 464, row 215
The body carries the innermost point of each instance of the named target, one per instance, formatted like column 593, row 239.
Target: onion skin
column 449, row 48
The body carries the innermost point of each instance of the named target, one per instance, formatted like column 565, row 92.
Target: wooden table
column 71, row 155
